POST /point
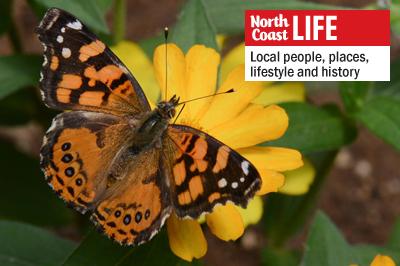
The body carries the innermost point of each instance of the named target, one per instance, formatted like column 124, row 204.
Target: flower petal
column 281, row 92
column 176, row 70
column 254, row 125
column 225, row 222
column 253, row 213
column 271, row 181
column 273, row 158
column 232, row 59
column 138, row 63
column 382, row 260
column 201, row 79
column 298, row 181
column 186, row 238
column 225, row 107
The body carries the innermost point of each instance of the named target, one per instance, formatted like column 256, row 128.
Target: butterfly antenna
column 180, row 111
column 215, row 94
column 166, row 61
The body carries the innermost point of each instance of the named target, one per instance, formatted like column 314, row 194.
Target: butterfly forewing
column 205, row 172
column 81, row 73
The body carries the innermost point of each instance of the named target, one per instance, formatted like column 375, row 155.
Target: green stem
column 119, row 21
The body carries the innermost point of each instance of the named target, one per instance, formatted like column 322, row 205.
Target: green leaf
column 194, row 27
column 354, row 94
column 24, row 194
column 228, row 15
column 5, row 18
column 381, row 116
column 389, row 88
column 314, row 129
column 326, row 246
column 17, row 71
column 376, row 105
column 104, row 5
column 23, row 244
column 96, row 247
column 91, row 12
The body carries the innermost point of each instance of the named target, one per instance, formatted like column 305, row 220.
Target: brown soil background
column 362, row 192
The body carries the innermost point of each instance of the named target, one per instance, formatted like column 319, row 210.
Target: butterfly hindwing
column 81, row 73
column 77, row 152
column 134, row 210
column 89, row 162
column 206, row 172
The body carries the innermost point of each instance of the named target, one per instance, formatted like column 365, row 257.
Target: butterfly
column 112, row 156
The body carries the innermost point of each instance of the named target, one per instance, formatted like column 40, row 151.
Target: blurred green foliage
column 318, row 131
column 326, row 246
column 23, row 244
column 315, row 129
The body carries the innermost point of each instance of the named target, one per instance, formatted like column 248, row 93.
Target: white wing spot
column 66, row 52
column 245, row 167
column 76, row 25
column 222, row 183
column 60, row 39
column 235, row 185
column 42, row 95
column 62, row 29
column 41, row 76
column 44, row 60
column 44, row 47
column 241, row 179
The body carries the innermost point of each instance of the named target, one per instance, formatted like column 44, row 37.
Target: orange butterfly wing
column 133, row 211
column 77, row 151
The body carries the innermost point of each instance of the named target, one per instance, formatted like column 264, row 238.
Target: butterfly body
column 154, row 125
column 112, row 156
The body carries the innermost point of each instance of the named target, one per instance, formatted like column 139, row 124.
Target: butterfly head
column 167, row 108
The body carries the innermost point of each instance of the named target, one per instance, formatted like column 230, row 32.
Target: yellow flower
column 382, row 260
column 238, row 119
column 297, row 182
